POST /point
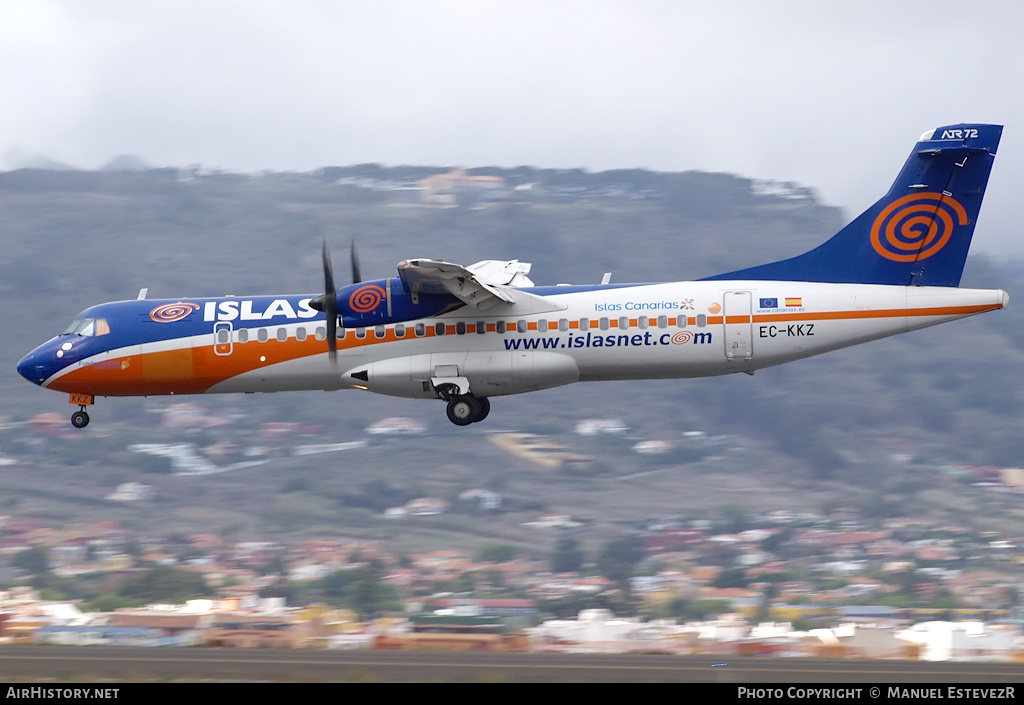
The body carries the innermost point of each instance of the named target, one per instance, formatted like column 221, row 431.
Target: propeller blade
column 328, row 303
column 354, row 257
column 328, row 268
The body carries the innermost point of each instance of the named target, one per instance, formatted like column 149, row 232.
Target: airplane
column 466, row 334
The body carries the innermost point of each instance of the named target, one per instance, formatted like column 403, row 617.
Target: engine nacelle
column 387, row 301
column 488, row 374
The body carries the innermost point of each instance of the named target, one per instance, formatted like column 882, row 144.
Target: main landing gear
column 465, row 409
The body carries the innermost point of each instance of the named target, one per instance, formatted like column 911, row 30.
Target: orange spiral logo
column 169, row 313
column 682, row 338
column 915, row 227
column 366, row 298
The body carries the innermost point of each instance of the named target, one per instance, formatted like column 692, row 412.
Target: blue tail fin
column 918, row 234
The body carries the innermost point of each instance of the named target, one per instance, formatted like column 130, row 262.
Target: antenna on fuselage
column 606, row 278
column 142, row 293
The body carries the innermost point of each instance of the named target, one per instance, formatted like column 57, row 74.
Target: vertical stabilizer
column 919, row 233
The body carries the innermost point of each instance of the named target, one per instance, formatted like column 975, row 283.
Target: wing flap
column 474, row 285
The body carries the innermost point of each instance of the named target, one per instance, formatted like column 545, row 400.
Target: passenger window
column 399, row 330
column 584, row 324
column 420, row 330
column 262, row 335
column 603, row 324
column 223, row 336
column 623, row 323
column 439, row 329
column 380, row 331
column 642, row 321
column 300, row 334
column 460, row 328
column 282, row 334
column 681, row 321
column 500, row 326
column 481, row 327
column 360, row 333
column 243, row 335
column 542, row 325
column 320, row 333
column 563, row 324
column 662, row 321
column 702, row 320
column 521, row 326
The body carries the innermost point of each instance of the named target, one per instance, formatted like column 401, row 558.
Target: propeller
column 328, row 303
column 354, row 258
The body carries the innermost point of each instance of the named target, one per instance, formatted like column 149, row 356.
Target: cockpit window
column 87, row 327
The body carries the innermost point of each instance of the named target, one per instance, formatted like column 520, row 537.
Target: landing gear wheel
column 79, row 419
column 464, row 409
column 485, row 408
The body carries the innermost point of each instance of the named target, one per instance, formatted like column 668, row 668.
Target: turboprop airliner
column 466, row 334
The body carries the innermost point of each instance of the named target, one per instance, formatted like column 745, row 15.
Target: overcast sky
column 829, row 94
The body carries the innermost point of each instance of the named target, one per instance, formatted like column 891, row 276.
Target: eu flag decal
column 769, row 303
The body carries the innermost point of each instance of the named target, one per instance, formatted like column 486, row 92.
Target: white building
column 592, row 427
column 131, row 492
column 962, row 641
column 592, row 629
column 396, row 426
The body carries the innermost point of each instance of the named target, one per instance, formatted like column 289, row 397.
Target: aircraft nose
column 34, row 367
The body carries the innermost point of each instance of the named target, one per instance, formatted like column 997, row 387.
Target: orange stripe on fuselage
column 879, row 313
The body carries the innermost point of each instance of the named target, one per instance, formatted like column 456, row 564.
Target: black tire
column 79, row 419
column 485, row 408
column 463, row 409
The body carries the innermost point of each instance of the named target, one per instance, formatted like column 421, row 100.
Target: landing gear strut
column 464, row 409
column 80, row 419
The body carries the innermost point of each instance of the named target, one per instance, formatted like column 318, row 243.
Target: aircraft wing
column 475, row 284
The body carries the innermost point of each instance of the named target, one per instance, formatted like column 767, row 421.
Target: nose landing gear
column 80, row 419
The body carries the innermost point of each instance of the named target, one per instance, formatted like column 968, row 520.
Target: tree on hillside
column 34, row 560
column 618, row 558
column 498, row 553
column 568, row 556
column 165, row 584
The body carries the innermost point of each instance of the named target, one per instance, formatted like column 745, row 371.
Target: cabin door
column 739, row 325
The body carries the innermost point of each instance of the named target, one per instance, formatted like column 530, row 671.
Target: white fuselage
column 648, row 331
